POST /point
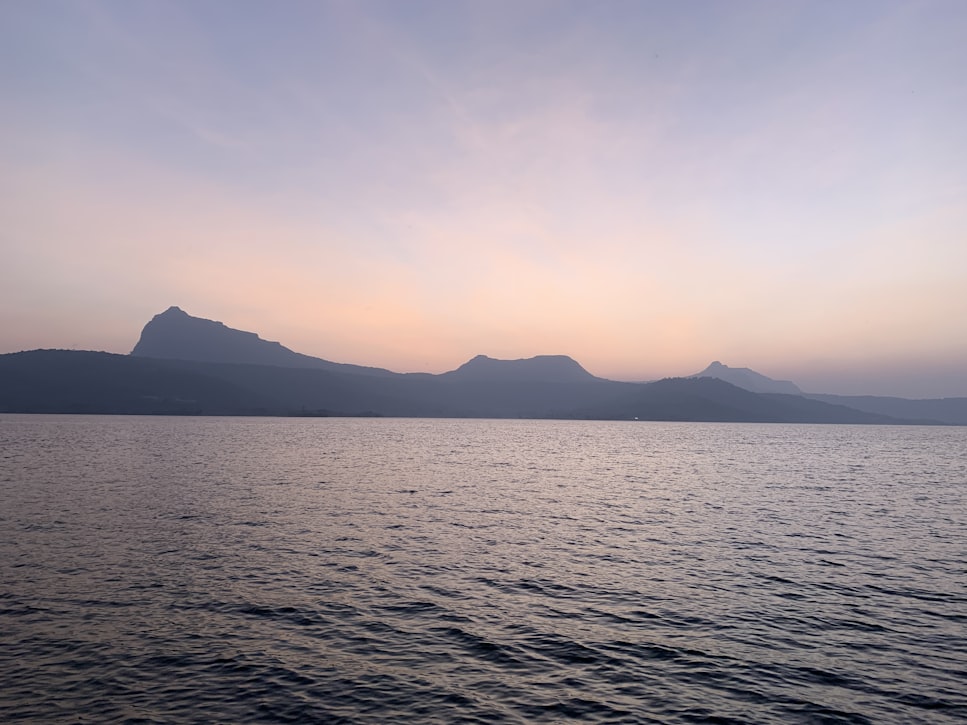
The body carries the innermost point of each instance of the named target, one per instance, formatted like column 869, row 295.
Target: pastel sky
column 645, row 186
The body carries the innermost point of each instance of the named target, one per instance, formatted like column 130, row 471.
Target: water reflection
column 376, row 569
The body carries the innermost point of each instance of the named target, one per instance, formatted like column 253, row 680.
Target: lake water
column 381, row 570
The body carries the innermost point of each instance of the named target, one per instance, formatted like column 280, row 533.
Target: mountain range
column 193, row 366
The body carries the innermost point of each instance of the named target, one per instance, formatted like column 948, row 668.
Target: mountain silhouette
column 542, row 368
column 176, row 335
column 72, row 381
column 952, row 411
column 187, row 365
column 80, row 381
column 715, row 400
column 748, row 379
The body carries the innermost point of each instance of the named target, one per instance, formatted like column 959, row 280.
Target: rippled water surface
column 330, row 570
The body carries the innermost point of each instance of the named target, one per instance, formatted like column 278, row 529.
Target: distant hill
column 78, row 381
column 176, row 335
column 748, row 379
column 712, row 399
column 68, row 381
column 187, row 365
column 944, row 410
column 543, row 368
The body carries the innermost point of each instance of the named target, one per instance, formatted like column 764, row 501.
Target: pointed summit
column 748, row 379
column 176, row 335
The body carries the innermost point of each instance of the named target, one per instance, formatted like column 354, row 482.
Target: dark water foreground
column 259, row 570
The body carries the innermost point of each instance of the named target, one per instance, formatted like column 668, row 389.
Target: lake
column 166, row 570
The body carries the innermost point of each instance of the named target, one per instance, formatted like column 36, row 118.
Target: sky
column 644, row 186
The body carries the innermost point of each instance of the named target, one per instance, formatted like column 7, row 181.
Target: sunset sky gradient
column 645, row 186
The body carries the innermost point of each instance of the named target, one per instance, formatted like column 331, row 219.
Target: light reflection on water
column 366, row 570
